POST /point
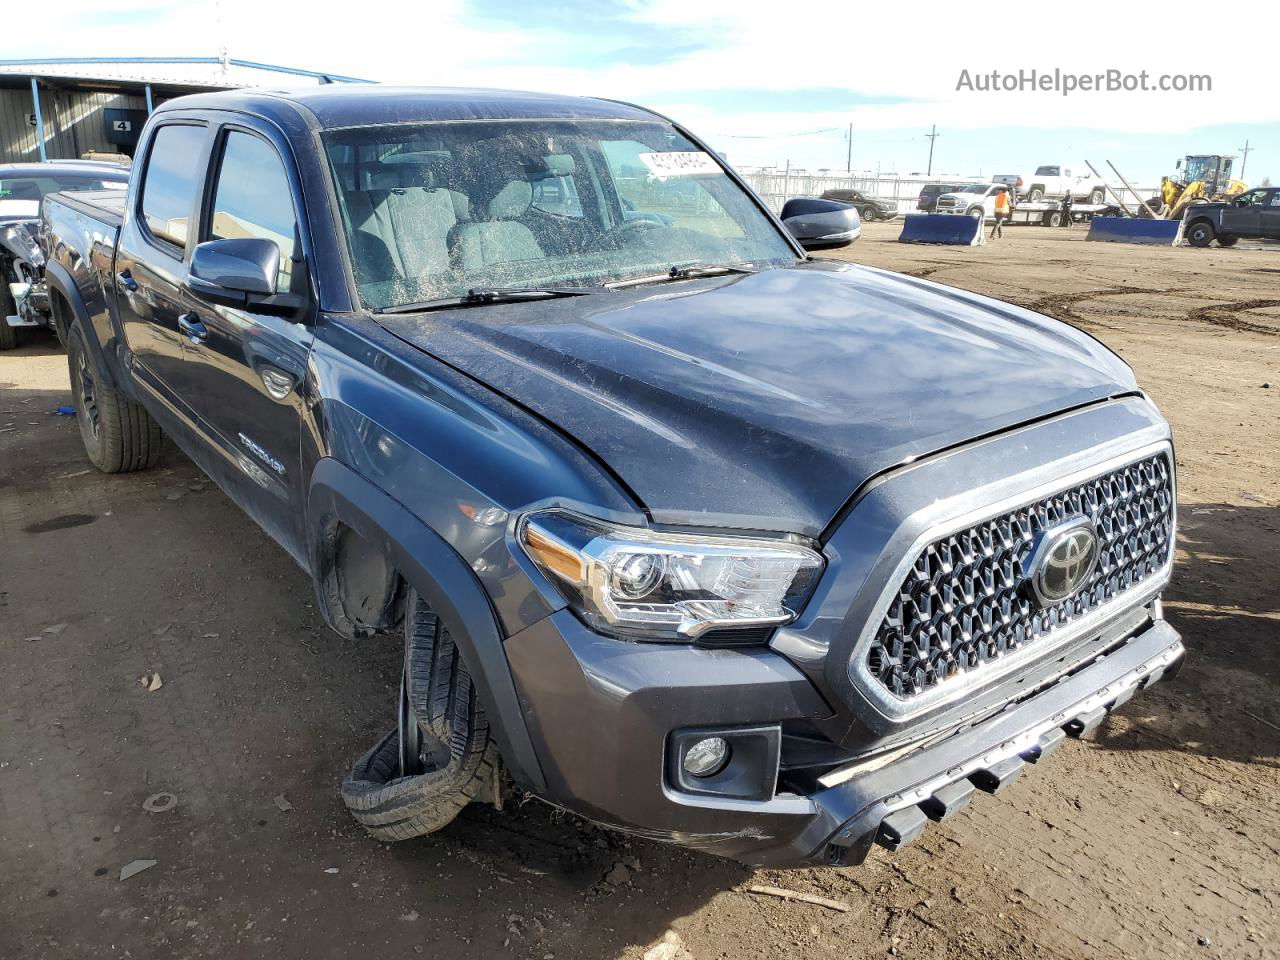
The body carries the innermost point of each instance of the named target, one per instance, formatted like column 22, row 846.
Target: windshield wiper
column 486, row 295
column 685, row 272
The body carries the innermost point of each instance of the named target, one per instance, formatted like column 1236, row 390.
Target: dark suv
column 930, row 192
column 680, row 528
column 869, row 208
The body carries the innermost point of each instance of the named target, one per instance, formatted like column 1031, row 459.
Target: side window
column 169, row 189
column 1274, row 201
column 252, row 198
column 664, row 193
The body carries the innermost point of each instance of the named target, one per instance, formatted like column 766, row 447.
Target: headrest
column 553, row 165
column 511, row 201
column 389, row 176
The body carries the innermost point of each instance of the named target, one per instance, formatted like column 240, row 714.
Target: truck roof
column 360, row 104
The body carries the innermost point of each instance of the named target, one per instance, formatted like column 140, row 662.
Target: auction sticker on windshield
column 680, row 163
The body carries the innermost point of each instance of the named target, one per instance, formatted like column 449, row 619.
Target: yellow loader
column 1199, row 177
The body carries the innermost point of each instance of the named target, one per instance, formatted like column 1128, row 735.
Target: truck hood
column 764, row 401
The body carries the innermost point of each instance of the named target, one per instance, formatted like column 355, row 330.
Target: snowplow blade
column 1129, row 230
column 941, row 228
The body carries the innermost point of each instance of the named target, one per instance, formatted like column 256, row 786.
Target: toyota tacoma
column 683, row 530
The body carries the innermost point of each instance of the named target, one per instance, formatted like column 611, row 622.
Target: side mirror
column 821, row 224
column 240, row 272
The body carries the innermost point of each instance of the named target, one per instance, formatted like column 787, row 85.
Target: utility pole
column 934, row 135
column 1244, row 158
column 848, row 164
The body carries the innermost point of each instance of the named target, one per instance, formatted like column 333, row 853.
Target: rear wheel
column 1035, row 194
column 119, row 435
column 440, row 756
column 1053, row 218
column 1200, row 233
column 1097, row 197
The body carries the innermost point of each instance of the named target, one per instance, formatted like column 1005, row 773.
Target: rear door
column 247, row 368
column 1269, row 216
column 151, row 258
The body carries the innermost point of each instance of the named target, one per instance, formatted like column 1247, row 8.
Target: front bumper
column 601, row 713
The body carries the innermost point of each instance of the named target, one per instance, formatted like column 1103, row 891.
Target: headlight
column 666, row 586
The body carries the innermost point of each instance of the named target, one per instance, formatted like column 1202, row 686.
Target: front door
column 246, row 368
column 1242, row 218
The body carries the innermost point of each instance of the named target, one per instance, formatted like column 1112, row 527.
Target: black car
column 675, row 526
column 23, row 301
column 930, row 192
column 869, row 208
column 1251, row 216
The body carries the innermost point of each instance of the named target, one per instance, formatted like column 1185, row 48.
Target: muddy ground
column 1157, row 837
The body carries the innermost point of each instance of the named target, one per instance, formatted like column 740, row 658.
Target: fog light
column 707, row 757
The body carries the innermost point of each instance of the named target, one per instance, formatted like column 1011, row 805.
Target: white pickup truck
column 1056, row 180
column 975, row 200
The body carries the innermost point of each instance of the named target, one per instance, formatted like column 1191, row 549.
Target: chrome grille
column 964, row 603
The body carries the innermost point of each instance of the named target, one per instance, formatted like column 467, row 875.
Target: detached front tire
column 440, row 756
column 119, row 435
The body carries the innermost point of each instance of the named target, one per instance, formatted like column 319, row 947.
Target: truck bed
column 106, row 206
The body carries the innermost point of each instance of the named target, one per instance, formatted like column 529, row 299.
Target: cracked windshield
column 436, row 211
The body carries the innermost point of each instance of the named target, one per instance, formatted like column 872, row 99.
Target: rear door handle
column 191, row 326
column 125, row 279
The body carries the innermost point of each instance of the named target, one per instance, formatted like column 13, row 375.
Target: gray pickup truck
column 680, row 528
column 1251, row 216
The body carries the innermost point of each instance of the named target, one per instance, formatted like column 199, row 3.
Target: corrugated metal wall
column 73, row 123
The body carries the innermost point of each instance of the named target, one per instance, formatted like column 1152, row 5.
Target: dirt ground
column 1156, row 837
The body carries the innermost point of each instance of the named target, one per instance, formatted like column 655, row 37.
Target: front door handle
column 125, row 279
column 194, row 330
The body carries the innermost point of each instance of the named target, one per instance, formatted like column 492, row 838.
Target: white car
column 1054, row 181
column 975, row 200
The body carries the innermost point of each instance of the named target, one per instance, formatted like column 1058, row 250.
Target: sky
column 768, row 84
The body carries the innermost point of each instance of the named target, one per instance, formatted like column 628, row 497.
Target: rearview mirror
column 821, row 224
column 240, row 272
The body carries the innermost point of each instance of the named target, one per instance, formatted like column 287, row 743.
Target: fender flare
column 59, row 280
column 338, row 494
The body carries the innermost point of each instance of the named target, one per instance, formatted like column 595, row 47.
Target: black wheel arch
column 1202, row 222
column 339, row 497
column 68, row 309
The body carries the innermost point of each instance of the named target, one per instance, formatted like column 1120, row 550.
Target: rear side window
column 170, row 186
column 252, row 198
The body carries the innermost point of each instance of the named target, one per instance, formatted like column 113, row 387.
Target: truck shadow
column 1225, row 600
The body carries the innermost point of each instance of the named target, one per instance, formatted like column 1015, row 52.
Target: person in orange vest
column 1004, row 207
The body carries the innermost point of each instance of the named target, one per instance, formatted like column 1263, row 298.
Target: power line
column 777, row 136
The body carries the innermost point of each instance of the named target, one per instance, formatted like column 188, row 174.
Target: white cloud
column 765, row 46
